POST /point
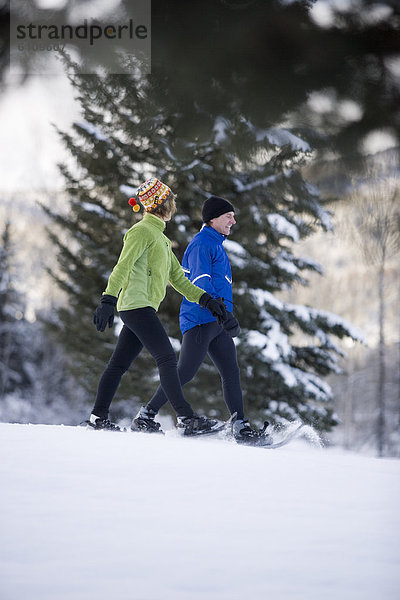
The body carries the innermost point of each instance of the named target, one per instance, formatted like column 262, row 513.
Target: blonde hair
column 167, row 209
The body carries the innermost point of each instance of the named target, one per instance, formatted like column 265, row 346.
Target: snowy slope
column 91, row 515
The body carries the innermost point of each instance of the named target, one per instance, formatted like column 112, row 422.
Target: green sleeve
column 135, row 244
column 181, row 283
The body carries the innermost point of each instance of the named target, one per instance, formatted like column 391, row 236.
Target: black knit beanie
column 214, row 207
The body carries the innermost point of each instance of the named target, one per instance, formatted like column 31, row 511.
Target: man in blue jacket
column 206, row 265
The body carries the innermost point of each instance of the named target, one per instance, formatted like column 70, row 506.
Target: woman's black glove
column 216, row 306
column 231, row 325
column 105, row 312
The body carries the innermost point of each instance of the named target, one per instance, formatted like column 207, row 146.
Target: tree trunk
column 348, row 413
column 381, row 366
column 398, row 345
column 6, row 348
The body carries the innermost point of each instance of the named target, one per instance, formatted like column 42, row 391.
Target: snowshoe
column 144, row 422
column 196, row 425
column 102, row 424
column 244, row 434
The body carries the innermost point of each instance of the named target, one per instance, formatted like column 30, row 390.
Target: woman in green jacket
column 136, row 286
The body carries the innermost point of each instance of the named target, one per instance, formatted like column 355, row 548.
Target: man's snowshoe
column 244, row 434
column 144, row 422
column 102, row 424
column 196, row 425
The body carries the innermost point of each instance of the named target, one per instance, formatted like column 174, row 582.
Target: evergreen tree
column 128, row 134
column 275, row 54
column 34, row 383
column 14, row 371
column 276, row 57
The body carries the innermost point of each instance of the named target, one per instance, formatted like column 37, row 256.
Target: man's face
column 223, row 223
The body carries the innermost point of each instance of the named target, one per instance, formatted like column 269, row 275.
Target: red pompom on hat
column 134, row 204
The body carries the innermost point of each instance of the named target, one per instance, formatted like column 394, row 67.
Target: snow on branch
column 339, row 326
column 263, row 297
column 91, row 207
column 238, row 256
column 220, row 126
column 92, row 130
column 282, row 137
column 265, row 181
column 312, row 321
column 283, row 226
column 284, row 264
column 324, row 218
column 274, row 345
column 128, row 190
column 312, row 385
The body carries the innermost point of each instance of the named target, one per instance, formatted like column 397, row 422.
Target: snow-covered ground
column 91, row 515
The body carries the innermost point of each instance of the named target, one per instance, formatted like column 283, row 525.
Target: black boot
column 196, row 425
column 145, row 422
column 100, row 423
column 244, row 434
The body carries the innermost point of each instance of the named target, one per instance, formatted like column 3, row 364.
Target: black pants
column 197, row 342
column 142, row 327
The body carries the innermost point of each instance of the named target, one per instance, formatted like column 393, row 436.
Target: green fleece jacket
column 145, row 266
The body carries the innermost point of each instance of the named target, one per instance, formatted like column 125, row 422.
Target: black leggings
column 142, row 327
column 196, row 343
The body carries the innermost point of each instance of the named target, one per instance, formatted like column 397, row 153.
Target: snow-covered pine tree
column 14, row 368
column 126, row 135
column 109, row 151
column 284, row 350
column 34, row 386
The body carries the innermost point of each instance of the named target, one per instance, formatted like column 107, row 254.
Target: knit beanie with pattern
column 152, row 194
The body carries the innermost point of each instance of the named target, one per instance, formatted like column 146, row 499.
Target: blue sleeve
column 198, row 267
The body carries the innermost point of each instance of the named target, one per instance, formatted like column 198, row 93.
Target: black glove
column 230, row 324
column 105, row 312
column 216, row 306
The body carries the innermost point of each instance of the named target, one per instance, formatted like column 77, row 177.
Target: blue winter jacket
column 206, row 264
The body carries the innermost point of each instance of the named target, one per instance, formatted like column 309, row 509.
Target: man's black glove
column 230, row 324
column 104, row 313
column 216, row 306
